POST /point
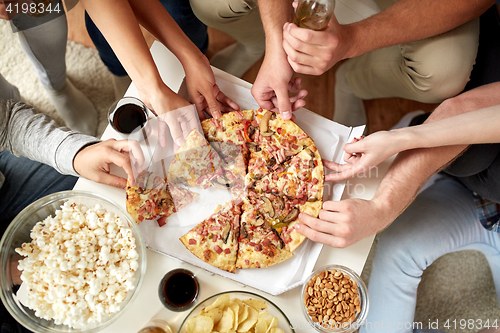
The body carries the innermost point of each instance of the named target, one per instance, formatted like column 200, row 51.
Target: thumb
column 213, row 106
column 354, row 147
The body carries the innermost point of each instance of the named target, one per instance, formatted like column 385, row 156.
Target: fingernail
column 286, row 115
column 284, row 25
column 179, row 141
column 217, row 114
column 296, row 226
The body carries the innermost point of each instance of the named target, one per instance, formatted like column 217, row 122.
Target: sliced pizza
column 215, row 240
column 301, row 177
column 148, row 197
column 196, row 163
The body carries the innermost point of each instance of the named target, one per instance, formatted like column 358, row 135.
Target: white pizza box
column 329, row 138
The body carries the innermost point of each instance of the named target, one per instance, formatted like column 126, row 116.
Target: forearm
column 155, row 18
column 274, row 14
column 412, row 168
column 117, row 22
column 36, row 136
column 410, row 20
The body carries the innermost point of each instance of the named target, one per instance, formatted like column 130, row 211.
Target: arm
column 24, row 132
column 119, row 21
column 474, row 127
column 273, row 80
column 348, row 221
column 314, row 52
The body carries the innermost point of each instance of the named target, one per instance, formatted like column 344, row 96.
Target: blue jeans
column 442, row 219
column 181, row 12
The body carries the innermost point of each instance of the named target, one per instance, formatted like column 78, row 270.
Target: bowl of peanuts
column 335, row 299
column 72, row 261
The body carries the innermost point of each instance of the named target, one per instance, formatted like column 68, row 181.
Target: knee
column 440, row 67
column 214, row 13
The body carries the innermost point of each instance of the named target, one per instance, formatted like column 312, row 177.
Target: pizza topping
column 192, row 241
column 267, row 207
column 258, row 247
column 258, row 222
column 264, row 124
column 217, row 249
column 239, row 115
column 225, row 232
column 292, row 216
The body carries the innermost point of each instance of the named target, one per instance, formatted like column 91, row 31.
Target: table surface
column 147, row 304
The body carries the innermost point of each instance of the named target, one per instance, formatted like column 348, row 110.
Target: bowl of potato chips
column 236, row 311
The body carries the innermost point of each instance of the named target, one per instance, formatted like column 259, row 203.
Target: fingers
column 226, row 102
column 284, row 105
column 295, row 85
column 175, row 128
column 333, row 166
column 308, row 229
column 112, row 180
column 116, row 157
column 212, row 105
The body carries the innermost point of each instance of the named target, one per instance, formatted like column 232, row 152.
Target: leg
column 8, row 91
column 240, row 19
column 25, row 182
column 45, row 46
column 183, row 15
column 428, row 71
column 442, row 219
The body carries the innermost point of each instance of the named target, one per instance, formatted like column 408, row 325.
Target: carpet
column 84, row 68
column 456, row 287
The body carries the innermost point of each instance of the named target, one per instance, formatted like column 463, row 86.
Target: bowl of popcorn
column 72, row 261
column 335, row 299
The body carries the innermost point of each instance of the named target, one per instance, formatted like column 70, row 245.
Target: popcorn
column 79, row 265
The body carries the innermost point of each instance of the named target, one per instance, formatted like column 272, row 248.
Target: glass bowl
column 330, row 293
column 273, row 309
column 18, row 233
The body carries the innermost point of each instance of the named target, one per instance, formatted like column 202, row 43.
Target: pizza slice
column 196, row 163
column 215, row 240
column 280, row 139
column 148, row 197
column 230, row 127
column 301, row 177
column 181, row 197
column 267, row 236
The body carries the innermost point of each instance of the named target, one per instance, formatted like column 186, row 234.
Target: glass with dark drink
column 179, row 290
column 128, row 115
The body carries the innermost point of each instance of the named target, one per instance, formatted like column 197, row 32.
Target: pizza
column 275, row 172
column 215, row 240
column 153, row 198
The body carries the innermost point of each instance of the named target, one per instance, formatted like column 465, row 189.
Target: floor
column 382, row 113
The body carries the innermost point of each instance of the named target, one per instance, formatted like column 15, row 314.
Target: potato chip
column 226, row 322
column 257, row 304
column 214, row 313
column 277, row 330
column 222, row 302
column 233, row 305
column 274, row 324
column 261, row 326
column 242, row 316
column 248, row 323
column 266, row 316
column 199, row 324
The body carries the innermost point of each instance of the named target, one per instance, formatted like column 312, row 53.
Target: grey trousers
column 45, row 46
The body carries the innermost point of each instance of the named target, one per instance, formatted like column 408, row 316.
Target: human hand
column 362, row 154
column 203, row 90
column 315, row 52
column 273, row 83
column 343, row 223
column 93, row 162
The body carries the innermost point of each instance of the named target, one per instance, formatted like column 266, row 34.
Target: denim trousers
column 180, row 11
column 441, row 220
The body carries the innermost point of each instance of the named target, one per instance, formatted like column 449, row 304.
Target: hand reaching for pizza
column 273, row 83
column 343, row 223
column 203, row 90
column 93, row 162
column 363, row 154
